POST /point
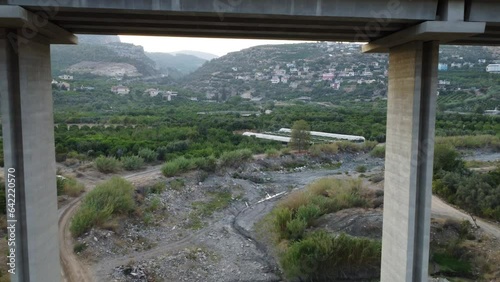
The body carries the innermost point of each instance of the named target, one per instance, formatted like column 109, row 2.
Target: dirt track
column 73, row 270
column 440, row 208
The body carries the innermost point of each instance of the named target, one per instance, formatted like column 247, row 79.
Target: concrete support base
column 409, row 158
column 28, row 138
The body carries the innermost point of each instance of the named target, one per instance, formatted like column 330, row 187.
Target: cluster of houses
column 152, row 92
column 335, row 74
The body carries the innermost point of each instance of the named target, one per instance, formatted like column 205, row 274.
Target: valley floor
column 180, row 245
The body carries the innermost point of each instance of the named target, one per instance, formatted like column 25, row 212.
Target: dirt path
column 73, row 270
column 440, row 208
column 259, row 209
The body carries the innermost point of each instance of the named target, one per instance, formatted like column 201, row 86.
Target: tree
column 301, row 135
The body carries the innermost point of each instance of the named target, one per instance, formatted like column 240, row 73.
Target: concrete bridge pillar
column 28, row 140
column 411, row 115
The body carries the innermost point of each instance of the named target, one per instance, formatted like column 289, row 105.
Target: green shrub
column 60, row 185
column 158, row 188
column 235, row 158
column 369, row 145
column 181, row 165
column 155, row 204
column 308, row 213
column 361, row 169
column 113, row 197
column 162, row 152
column 272, row 153
column 295, row 229
column 148, row 155
column 72, row 187
column 147, row 218
column 378, row 152
column 79, row 247
column 184, row 164
column 281, row 215
column 286, row 151
column 446, row 158
column 107, row 164
column 170, row 169
column 207, row 164
column 349, row 147
column 132, row 163
column 324, row 149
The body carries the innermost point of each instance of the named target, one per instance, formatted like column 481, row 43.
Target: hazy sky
column 218, row 47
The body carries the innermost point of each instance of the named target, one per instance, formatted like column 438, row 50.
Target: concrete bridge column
column 411, row 115
column 28, row 140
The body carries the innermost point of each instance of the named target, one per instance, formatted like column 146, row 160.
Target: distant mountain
column 108, row 56
column 98, row 58
column 203, row 55
column 98, row 39
column 182, row 63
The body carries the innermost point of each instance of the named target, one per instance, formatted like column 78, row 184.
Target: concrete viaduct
column 409, row 30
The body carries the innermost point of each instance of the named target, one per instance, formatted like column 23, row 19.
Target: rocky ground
column 177, row 245
column 174, row 242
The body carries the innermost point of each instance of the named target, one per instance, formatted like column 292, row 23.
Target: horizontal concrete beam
column 398, row 9
column 441, row 31
column 32, row 25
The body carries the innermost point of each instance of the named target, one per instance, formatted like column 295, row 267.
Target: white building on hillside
column 152, row 92
column 169, row 94
column 66, row 77
column 120, row 89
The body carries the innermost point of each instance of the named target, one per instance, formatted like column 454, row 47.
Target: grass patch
column 158, row 188
column 113, row 197
column 331, row 165
column 219, row 201
column 452, row 266
column 177, row 184
column 324, row 257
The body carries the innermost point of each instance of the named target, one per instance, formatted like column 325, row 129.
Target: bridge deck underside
column 247, row 26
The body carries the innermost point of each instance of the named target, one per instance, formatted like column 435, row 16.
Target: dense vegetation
column 176, row 128
column 317, row 255
column 477, row 193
